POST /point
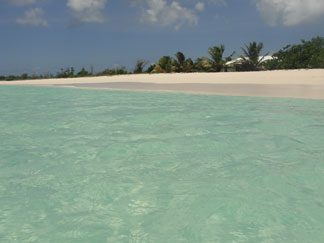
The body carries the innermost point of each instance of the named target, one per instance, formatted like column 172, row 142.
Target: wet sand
column 257, row 90
column 308, row 84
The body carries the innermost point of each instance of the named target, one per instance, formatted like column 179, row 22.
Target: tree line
column 307, row 54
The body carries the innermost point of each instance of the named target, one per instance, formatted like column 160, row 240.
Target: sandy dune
column 293, row 83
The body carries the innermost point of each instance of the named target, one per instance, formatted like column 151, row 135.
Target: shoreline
column 308, row 84
column 253, row 90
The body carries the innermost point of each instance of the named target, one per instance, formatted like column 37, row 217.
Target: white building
column 231, row 64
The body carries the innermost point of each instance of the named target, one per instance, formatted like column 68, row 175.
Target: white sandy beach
column 284, row 83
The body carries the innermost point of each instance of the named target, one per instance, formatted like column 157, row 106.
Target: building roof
column 239, row 60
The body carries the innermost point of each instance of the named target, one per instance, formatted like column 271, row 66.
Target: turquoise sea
column 99, row 166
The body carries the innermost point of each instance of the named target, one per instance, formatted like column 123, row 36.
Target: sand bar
column 307, row 84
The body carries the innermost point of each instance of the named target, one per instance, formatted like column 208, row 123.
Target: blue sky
column 45, row 35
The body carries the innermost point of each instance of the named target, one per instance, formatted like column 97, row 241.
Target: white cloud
column 22, row 2
column 290, row 12
column 88, row 10
column 33, row 17
column 200, row 6
column 159, row 12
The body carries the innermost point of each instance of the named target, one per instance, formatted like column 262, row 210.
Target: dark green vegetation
column 110, row 72
column 308, row 54
column 140, row 65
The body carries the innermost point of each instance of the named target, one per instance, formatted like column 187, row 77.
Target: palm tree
column 189, row 65
column 164, row 65
column 181, row 64
column 202, row 64
column 217, row 62
column 252, row 60
column 140, row 64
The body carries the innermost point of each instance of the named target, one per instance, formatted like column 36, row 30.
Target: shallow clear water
column 100, row 166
